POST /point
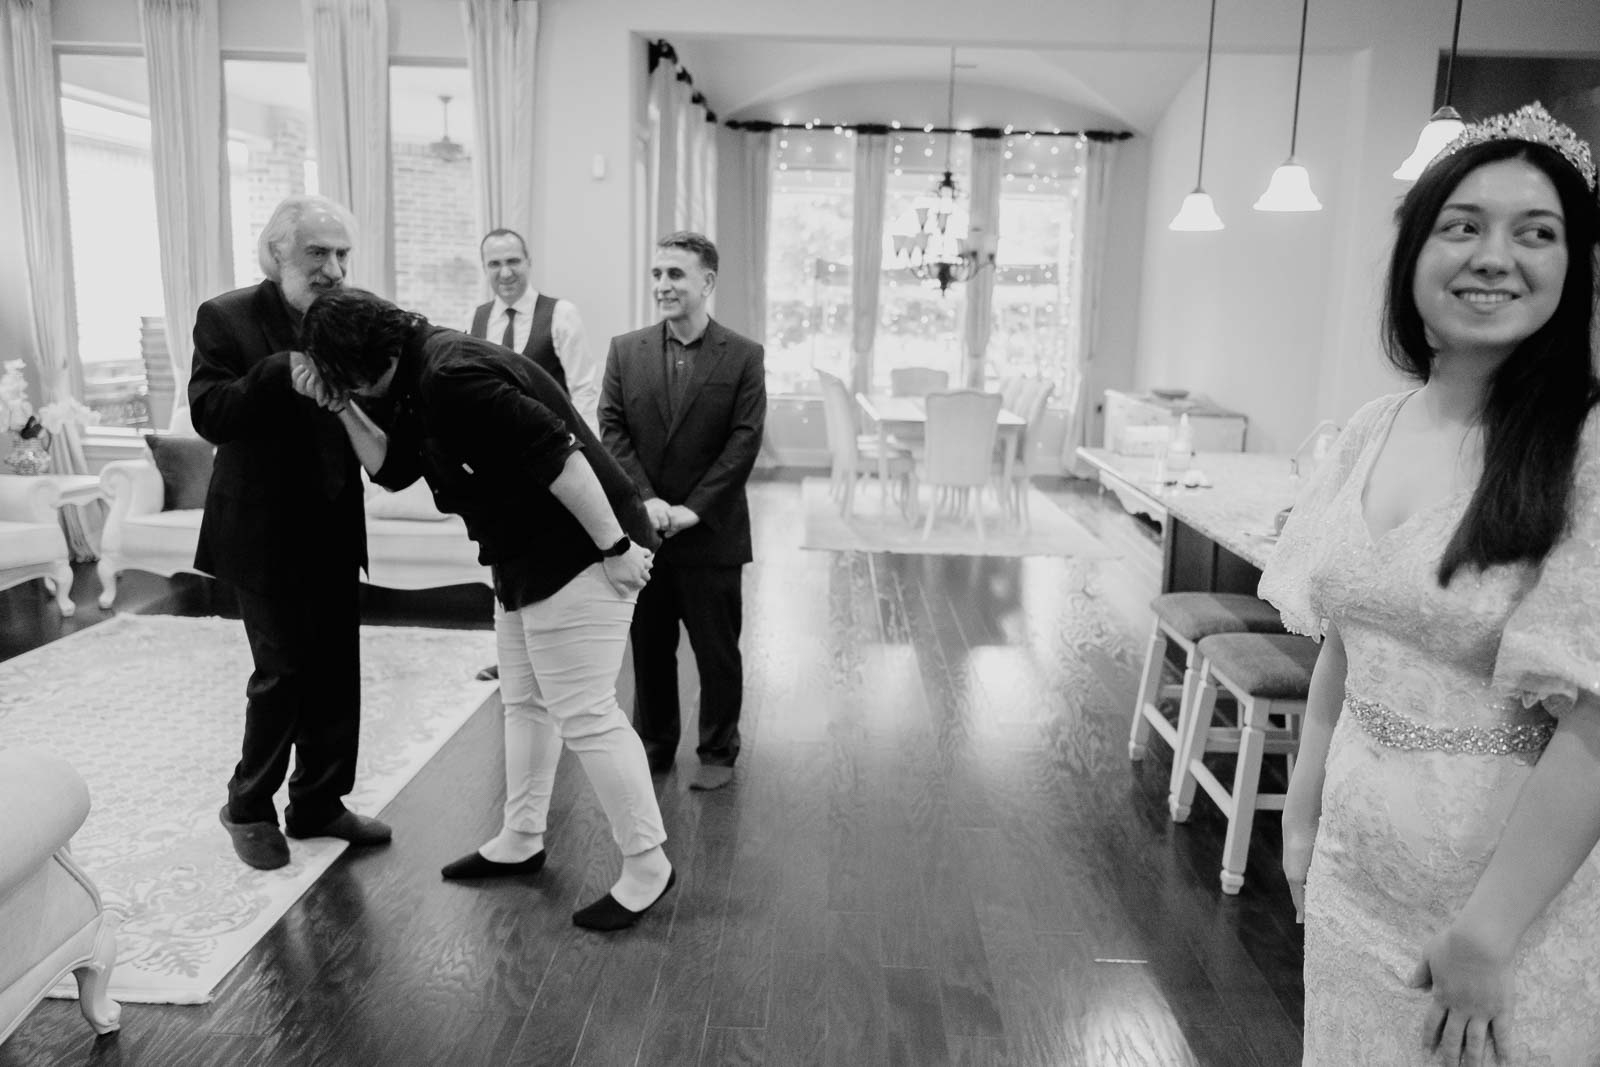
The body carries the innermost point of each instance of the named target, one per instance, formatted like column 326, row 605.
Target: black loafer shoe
column 607, row 915
column 258, row 844
column 348, row 826
column 475, row 865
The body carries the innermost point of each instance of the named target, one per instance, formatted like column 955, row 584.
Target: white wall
column 1242, row 315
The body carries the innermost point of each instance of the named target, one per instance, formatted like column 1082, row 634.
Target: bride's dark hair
column 1539, row 397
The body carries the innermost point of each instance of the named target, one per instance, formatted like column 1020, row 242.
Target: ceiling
column 780, row 80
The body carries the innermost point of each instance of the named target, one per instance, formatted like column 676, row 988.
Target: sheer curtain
column 871, row 185
column 502, row 42
column 680, row 150
column 983, row 233
column 756, row 152
column 1089, row 252
column 349, row 61
column 184, row 61
column 31, row 97
column 702, row 191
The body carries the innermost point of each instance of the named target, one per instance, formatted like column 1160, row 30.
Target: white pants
column 559, row 661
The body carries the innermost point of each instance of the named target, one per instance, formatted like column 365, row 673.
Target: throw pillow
column 184, row 461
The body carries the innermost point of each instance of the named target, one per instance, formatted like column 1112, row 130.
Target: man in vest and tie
column 546, row 330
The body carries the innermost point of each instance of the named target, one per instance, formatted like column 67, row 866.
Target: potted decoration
column 30, row 431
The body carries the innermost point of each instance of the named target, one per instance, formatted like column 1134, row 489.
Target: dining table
column 906, row 417
column 1218, row 536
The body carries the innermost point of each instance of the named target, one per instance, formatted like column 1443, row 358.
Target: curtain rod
column 660, row 51
column 982, row 132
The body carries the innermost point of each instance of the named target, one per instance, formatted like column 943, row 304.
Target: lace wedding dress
column 1441, row 725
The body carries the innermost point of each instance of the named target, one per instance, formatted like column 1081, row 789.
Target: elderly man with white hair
column 284, row 526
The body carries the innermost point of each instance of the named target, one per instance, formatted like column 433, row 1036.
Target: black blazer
column 703, row 457
column 285, row 493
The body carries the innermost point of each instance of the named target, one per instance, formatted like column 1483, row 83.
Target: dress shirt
column 680, row 356
column 566, row 331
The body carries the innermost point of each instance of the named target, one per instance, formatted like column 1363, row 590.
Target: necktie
column 509, row 339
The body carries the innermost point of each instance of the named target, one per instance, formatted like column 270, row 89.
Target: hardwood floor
column 935, row 852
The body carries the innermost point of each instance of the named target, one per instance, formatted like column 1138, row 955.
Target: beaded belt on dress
column 1396, row 731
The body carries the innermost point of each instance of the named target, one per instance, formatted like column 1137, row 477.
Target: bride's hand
column 1471, row 982
column 1298, row 840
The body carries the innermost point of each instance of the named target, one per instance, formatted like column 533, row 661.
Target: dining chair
column 917, row 381
column 1011, row 387
column 1030, row 405
column 856, row 455
column 957, row 450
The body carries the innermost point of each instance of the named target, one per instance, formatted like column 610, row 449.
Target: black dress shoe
column 475, row 865
column 348, row 826
column 258, row 844
column 607, row 915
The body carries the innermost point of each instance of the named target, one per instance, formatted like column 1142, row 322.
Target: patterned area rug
column 149, row 710
column 1050, row 531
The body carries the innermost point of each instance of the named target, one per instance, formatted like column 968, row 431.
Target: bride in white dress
column 1443, row 815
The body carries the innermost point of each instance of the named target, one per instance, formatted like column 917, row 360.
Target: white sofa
column 410, row 545
column 52, row 923
column 31, row 542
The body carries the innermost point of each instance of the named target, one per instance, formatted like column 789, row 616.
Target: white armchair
column 52, row 923
column 138, row 535
column 31, row 542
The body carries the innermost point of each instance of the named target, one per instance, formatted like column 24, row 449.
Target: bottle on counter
column 1180, row 451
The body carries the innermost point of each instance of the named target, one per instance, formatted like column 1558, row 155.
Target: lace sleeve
column 1551, row 647
column 1286, row 582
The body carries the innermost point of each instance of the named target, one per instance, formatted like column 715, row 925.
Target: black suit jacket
column 701, row 458
column 285, row 496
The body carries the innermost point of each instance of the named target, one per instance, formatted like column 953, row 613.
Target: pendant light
column 1290, row 187
column 1197, row 211
column 1445, row 124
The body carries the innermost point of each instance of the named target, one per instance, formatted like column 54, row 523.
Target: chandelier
column 444, row 149
column 930, row 241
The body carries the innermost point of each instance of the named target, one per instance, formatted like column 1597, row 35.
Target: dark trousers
column 305, row 693
column 708, row 601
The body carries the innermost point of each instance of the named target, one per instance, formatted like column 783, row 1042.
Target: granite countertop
column 1247, row 491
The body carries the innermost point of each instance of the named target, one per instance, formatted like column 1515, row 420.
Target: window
column 1040, row 213
column 434, row 198
column 271, row 148
column 808, row 259
column 116, row 258
column 917, row 325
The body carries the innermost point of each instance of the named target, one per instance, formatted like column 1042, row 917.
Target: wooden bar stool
column 1186, row 618
column 1269, row 675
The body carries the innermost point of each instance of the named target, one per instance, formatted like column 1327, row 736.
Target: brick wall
column 435, row 235
column 435, row 219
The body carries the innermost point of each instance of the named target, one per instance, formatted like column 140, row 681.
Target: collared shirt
column 680, row 356
column 572, row 349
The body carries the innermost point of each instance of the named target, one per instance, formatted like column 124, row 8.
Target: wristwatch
column 618, row 549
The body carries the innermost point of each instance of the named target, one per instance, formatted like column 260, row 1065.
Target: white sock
column 644, row 877
column 511, row 846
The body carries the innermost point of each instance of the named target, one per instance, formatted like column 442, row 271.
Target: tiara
column 1528, row 123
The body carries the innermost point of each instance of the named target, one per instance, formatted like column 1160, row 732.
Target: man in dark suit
column 682, row 409
column 284, row 526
